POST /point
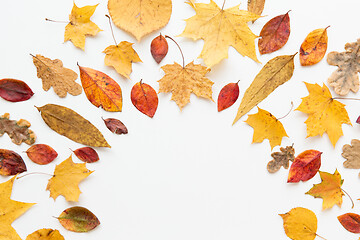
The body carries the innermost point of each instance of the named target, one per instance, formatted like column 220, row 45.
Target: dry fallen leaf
column 159, row 48
column 78, row 219
column 87, row 154
column 266, row 126
column 9, row 211
column 325, row 114
column 115, row 126
column 275, row 73
column 228, row 96
column 144, row 98
column 300, row 224
column 305, row 166
column 329, row 189
column 345, row 78
column 41, row 154
column 140, row 17
column 45, row 234
column 221, row 29
column 256, row 6
column 53, row 74
column 314, row 47
column 352, row 154
column 80, row 25
column 70, row 124
column 66, row 179
column 18, row 131
column 11, row 163
column 13, row 90
column 182, row 81
column 350, row 221
column 281, row 158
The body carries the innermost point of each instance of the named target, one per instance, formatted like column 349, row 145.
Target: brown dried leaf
column 18, row 131
column 87, row 154
column 115, row 126
column 281, row 159
column 11, row 163
column 53, row 74
column 352, row 154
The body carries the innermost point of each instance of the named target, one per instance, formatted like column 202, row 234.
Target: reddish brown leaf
column 78, row 219
column 305, row 166
column 11, row 163
column 159, row 48
column 41, row 154
column 14, row 90
column 87, row 154
column 350, row 221
column 358, row 120
column 115, row 126
column 228, row 96
column 274, row 34
column 144, row 98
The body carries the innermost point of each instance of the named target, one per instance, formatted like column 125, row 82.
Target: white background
column 181, row 175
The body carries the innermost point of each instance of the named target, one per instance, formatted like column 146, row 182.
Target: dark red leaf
column 228, row 96
column 305, row 166
column 115, row 126
column 350, row 221
column 14, row 90
column 159, row 48
column 11, row 163
column 144, row 98
column 87, row 154
column 358, row 120
column 41, row 154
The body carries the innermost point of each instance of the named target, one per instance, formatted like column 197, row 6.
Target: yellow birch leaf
column 221, row 29
column 9, row 211
column 45, row 234
column 325, row 113
column 329, row 189
column 80, row 25
column 121, row 57
column 66, row 179
column 140, row 17
column 266, row 126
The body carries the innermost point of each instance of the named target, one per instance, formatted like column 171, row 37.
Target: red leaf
column 228, row 96
column 144, row 98
column 358, row 120
column 274, row 34
column 305, row 166
column 14, row 90
column 11, row 163
column 350, row 221
column 159, row 48
column 87, row 154
column 41, row 154
column 115, row 126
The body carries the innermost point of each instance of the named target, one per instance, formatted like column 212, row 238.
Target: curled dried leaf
column 11, row 163
column 15, row 90
column 78, row 219
column 115, row 126
column 87, row 154
column 18, row 131
column 41, row 154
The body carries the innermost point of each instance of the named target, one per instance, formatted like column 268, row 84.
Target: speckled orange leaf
column 305, row 166
column 101, row 90
column 41, row 154
column 314, row 47
column 228, row 96
column 350, row 221
column 78, row 219
column 144, row 98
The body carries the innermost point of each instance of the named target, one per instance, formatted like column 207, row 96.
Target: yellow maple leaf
column 45, row 234
column 80, row 25
column 182, row 81
column 266, row 126
column 325, row 113
column 66, row 179
column 121, row 57
column 220, row 29
column 329, row 189
column 9, row 211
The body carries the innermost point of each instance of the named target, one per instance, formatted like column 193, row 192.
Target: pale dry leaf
column 281, row 159
column 352, row 154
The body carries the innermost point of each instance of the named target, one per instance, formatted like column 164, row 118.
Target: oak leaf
column 13, row 90
column 345, row 78
column 305, row 166
column 11, row 163
column 329, row 189
column 66, row 179
column 54, row 74
column 266, row 126
column 314, row 47
column 221, row 29
column 281, row 158
column 78, row 219
column 80, row 25
column 10, row 210
column 350, row 221
column 45, row 234
column 144, row 98
column 325, row 114
column 121, row 57
column 18, row 131
column 300, row 224
column 140, row 17
column 352, row 154
column 275, row 73
column 182, row 81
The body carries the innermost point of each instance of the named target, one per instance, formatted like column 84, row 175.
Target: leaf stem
column 343, row 98
column 166, row 36
column 50, row 20
column 222, row 8
column 292, row 106
column 112, row 32
column 27, row 174
column 352, row 202
column 320, row 236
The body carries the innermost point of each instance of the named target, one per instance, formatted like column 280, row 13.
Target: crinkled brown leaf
column 11, row 163
column 53, row 74
column 352, row 154
column 18, row 131
column 78, row 219
column 45, row 234
column 41, row 154
column 115, row 126
column 345, row 78
column 15, row 90
column 281, row 159
column 87, row 154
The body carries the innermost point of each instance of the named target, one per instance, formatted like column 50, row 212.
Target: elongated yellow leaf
column 275, row 73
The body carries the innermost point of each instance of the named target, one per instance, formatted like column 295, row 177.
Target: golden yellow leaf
column 256, row 6
column 266, row 126
column 275, row 73
column 140, row 17
column 45, row 234
column 9, row 211
column 221, row 29
column 80, row 25
column 300, row 224
column 182, row 81
column 191, row 3
column 121, row 57
column 66, row 179
column 329, row 189
column 325, row 113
